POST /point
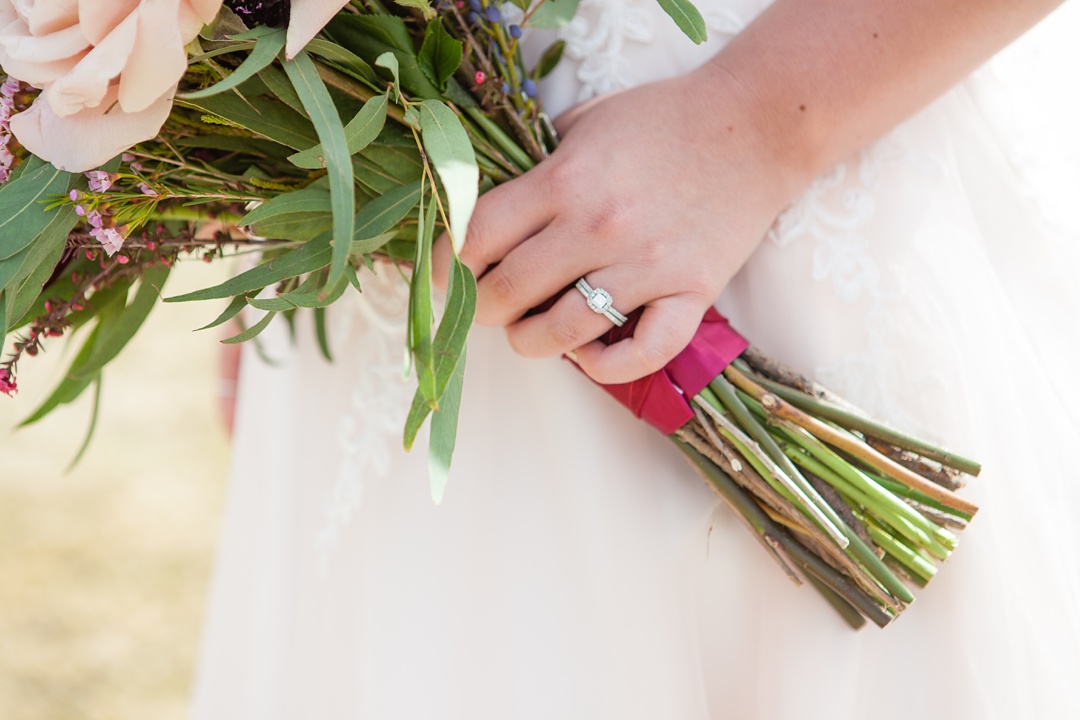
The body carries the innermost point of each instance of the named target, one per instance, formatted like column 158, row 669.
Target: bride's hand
column 657, row 194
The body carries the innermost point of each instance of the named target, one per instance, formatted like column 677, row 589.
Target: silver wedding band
column 599, row 301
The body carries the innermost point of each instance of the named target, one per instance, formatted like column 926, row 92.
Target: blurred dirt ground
column 103, row 571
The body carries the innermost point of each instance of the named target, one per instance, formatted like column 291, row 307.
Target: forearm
column 818, row 80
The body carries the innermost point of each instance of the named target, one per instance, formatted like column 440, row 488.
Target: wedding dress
column 577, row 567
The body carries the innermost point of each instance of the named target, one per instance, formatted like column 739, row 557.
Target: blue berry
column 515, row 31
column 476, row 6
column 492, row 14
column 529, row 88
column 474, row 19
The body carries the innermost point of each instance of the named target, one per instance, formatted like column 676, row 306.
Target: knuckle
column 564, row 334
column 612, row 219
column 648, row 357
column 503, row 291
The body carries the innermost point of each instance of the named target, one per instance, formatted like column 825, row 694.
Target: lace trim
column 598, row 36
column 369, row 334
column 832, row 213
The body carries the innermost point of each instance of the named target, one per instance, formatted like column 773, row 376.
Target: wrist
column 775, row 138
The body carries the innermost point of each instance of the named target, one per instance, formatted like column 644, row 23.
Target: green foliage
column 687, row 17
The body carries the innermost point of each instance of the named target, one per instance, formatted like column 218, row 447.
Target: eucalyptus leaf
column 444, row 423
column 550, row 59
column 278, row 83
column 347, row 61
column 369, row 36
column 233, row 309
column 251, row 332
column 320, row 107
column 262, row 116
column 421, row 313
column 22, row 215
column 265, row 51
column 554, row 14
column 451, row 152
column 320, row 334
column 118, row 322
column 360, row 132
column 307, row 258
column 687, row 17
column 383, row 213
column 453, row 332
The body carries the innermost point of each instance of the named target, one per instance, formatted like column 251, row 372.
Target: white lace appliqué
column 598, row 36
column 369, row 334
column 833, row 213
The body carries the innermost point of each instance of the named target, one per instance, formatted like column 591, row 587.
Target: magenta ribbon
column 662, row 399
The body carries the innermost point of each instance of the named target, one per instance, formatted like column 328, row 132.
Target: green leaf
column 262, row 116
column 94, row 412
column 312, row 199
column 554, row 14
column 278, row 83
column 418, row 412
column 420, row 309
column 320, row 334
column 348, row 62
column 444, row 433
column 549, row 59
column 687, row 17
column 300, row 215
column 454, row 327
column 361, row 131
column 369, row 36
column 421, row 5
column 265, row 51
column 389, row 61
column 523, row 4
column 451, row 152
column 316, row 99
column 383, row 213
column 308, row 257
column 440, row 54
column 22, row 215
column 117, row 325
column 5, row 319
column 233, row 309
column 42, row 251
column 252, row 331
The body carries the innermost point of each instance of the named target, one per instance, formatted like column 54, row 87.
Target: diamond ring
column 599, row 301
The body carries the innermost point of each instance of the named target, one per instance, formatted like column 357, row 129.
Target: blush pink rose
column 306, row 19
column 108, row 70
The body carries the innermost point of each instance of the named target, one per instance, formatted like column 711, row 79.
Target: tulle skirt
column 577, row 567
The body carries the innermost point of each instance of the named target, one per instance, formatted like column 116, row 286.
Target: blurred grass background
column 104, row 570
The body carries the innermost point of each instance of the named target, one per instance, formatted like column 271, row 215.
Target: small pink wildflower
column 7, row 382
column 480, row 77
column 100, row 181
column 147, row 190
column 109, row 238
column 94, row 218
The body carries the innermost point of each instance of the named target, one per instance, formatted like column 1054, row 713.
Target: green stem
column 764, row 525
column 853, row 421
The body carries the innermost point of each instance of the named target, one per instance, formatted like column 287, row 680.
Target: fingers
column 530, row 274
column 570, row 323
column 666, row 327
column 505, row 216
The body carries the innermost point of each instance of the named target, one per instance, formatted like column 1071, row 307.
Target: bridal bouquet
column 321, row 136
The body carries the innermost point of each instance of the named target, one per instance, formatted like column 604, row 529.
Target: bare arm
column 659, row 194
column 823, row 79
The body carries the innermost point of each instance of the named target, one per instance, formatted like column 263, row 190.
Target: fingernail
column 572, row 355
